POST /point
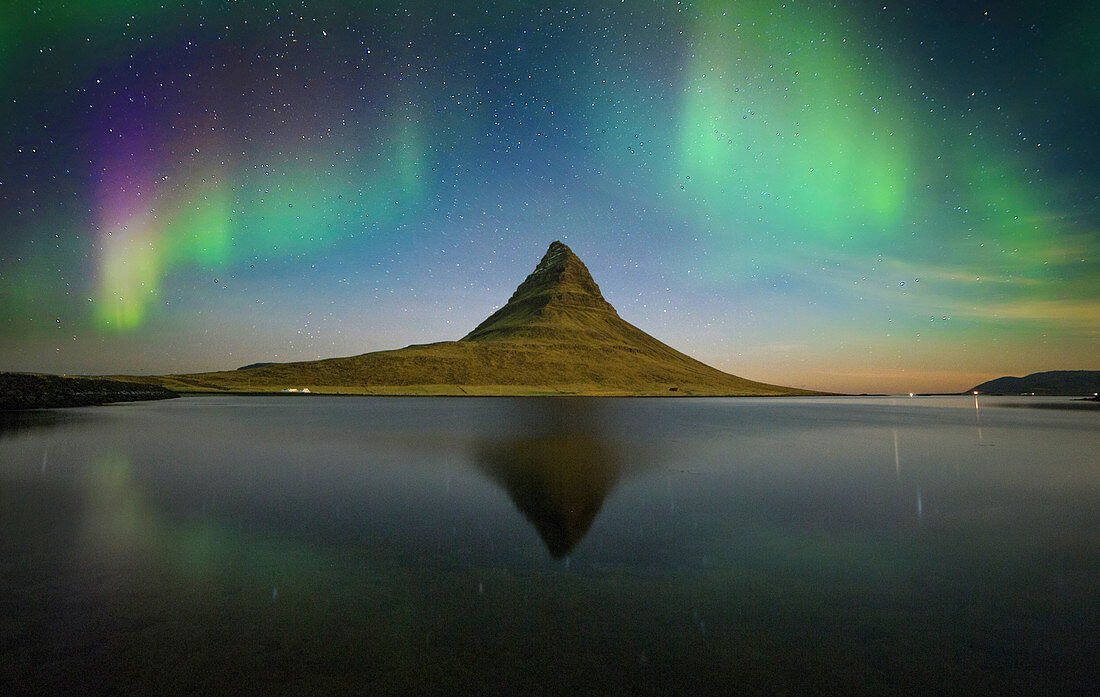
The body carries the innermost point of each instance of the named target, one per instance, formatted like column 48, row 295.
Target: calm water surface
column 318, row 545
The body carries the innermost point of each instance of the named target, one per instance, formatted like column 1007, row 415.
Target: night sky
column 854, row 196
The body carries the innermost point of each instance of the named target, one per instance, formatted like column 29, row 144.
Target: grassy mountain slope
column 556, row 335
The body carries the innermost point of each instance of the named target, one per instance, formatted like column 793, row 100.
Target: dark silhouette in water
column 558, row 473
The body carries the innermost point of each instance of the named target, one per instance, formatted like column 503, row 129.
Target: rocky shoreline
column 33, row 391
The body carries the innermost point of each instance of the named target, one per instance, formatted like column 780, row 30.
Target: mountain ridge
column 556, row 335
column 1073, row 383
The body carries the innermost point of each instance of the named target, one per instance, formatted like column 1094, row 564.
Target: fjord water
column 317, row 545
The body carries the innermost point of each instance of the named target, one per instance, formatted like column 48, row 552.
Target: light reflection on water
column 433, row 546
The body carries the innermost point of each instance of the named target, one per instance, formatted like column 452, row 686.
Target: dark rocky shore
column 29, row 391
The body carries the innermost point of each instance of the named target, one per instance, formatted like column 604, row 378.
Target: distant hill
column 1074, row 383
column 556, row 335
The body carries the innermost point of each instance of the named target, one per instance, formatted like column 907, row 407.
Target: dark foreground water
column 325, row 545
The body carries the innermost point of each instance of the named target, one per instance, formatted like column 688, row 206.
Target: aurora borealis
column 852, row 196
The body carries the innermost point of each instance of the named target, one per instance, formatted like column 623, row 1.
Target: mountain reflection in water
column 559, row 472
column 331, row 545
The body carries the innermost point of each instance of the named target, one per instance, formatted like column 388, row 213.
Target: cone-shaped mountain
column 558, row 299
column 555, row 335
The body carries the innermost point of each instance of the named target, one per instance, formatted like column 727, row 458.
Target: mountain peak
column 563, row 275
column 558, row 255
column 559, row 288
